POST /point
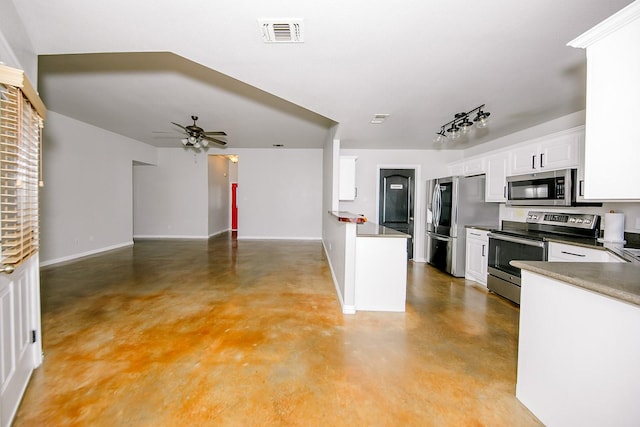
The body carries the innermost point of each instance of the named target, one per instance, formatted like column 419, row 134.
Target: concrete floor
column 221, row 332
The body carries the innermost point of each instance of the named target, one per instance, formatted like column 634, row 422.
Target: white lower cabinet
column 477, row 252
column 562, row 252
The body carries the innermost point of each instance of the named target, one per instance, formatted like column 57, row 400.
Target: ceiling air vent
column 281, row 30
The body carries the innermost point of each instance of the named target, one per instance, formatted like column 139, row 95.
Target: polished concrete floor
column 250, row 333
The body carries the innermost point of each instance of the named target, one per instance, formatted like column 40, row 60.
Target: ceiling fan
column 197, row 137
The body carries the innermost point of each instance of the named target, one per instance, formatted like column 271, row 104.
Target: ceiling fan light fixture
column 197, row 137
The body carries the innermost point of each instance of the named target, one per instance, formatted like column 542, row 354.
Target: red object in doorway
column 234, row 206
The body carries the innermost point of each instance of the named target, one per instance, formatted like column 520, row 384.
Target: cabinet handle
column 483, row 250
column 533, row 161
column 504, row 191
column 581, row 188
column 541, row 160
column 571, row 253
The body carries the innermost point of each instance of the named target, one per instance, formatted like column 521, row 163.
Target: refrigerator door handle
column 434, row 205
column 438, row 204
column 439, row 237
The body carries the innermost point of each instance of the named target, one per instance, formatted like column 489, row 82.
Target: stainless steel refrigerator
column 453, row 203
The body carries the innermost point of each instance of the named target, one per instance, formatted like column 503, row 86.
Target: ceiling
column 132, row 67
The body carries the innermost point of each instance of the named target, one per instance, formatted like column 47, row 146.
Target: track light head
column 482, row 119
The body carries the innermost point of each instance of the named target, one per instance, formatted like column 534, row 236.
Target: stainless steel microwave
column 554, row 188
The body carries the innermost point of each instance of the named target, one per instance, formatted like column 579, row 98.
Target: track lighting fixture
column 461, row 124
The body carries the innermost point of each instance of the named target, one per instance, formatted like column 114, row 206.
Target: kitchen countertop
column 344, row 216
column 619, row 280
column 370, row 229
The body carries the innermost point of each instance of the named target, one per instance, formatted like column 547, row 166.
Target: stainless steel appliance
column 528, row 242
column 453, row 203
column 553, row 188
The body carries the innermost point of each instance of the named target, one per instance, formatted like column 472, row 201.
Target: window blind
column 20, row 136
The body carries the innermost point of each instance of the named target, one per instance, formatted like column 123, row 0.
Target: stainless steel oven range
column 528, row 242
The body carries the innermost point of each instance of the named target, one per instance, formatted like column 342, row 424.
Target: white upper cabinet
column 558, row 151
column 467, row 167
column 348, row 189
column 497, row 169
column 612, row 141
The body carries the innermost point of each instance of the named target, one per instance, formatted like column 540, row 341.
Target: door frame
column 418, row 205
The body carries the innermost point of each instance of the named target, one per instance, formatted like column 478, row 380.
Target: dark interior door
column 396, row 202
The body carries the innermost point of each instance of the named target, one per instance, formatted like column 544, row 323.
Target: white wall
column 428, row 164
column 15, row 47
column 86, row 203
column 171, row 199
column 280, row 193
column 219, row 195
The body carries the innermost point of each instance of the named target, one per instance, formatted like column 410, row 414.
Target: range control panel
column 574, row 220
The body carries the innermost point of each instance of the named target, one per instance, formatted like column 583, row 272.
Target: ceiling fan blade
column 217, row 141
column 180, row 126
column 219, row 133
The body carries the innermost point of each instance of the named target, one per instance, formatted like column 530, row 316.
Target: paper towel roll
column 613, row 227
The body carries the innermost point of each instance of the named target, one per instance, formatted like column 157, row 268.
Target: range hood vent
column 281, row 30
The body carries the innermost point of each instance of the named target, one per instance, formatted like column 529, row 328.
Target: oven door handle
column 512, row 239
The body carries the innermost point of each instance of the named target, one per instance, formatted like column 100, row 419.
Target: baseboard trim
column 85, row 254
column 278, row 238
column 169, row 237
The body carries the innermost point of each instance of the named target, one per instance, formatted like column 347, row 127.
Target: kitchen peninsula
column 368, row 263
column 578, row 346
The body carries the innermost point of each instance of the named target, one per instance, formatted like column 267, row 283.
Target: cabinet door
column 524, row 159
column 497, row 168
column 476, row 256
column 559, row 153
column 473, row 167
column 611, row 145
column 348, row 189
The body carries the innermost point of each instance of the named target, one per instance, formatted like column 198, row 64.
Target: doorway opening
column 223, row 194
column 396, row 202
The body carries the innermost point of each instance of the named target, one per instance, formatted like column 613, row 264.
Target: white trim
column 172, row 236
column 346, row 309
column 277, row 238
column 219, row 232
column 85, row 254
column 608, row 26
